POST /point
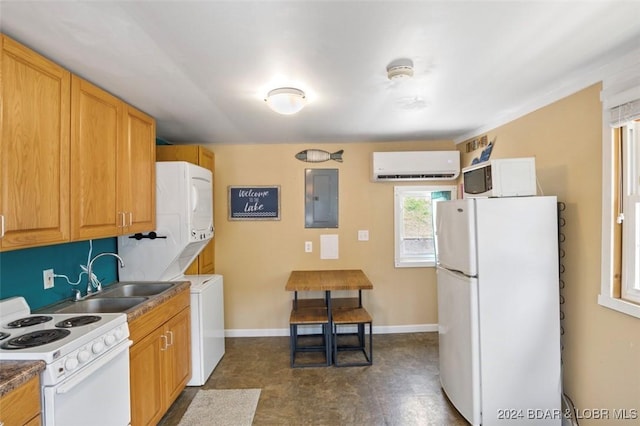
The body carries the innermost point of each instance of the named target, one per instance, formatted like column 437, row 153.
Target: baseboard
column 415, row 328
column 381, row 329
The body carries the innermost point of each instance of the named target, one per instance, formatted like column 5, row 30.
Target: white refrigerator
column 498, row 309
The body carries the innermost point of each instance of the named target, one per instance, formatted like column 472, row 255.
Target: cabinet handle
column 1, row 234
column 123, row 224
column 171, row 335
column 130, row 218
column 164, row 346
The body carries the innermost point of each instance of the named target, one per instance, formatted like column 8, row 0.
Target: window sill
column 619, row 305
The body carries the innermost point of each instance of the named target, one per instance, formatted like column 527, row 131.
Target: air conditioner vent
column 415, row 165
column 418, row 177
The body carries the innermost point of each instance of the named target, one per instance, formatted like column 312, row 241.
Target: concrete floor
column 400, row 388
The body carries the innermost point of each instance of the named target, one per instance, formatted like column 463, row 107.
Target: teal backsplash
column 21, row 270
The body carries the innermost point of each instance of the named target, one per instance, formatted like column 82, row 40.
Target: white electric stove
column 87, row 361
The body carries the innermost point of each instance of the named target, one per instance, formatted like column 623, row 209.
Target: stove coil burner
column 78, row 321
column 29, row 321
column 4, row 335
column 35, row 338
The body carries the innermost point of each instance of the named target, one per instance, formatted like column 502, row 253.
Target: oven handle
column 93, row 367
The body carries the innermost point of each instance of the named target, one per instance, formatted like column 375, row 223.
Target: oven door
column 98, row 394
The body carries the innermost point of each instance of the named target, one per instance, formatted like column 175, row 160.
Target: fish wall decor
column 318, row 156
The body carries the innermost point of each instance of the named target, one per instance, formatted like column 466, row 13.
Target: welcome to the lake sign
column 254, row 202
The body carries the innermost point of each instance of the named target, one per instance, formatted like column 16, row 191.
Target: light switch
column 363, row 235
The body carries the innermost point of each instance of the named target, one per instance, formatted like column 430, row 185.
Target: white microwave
column 503, row 177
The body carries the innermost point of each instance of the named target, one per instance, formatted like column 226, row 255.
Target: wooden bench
column 349, row 317
column 309, row 317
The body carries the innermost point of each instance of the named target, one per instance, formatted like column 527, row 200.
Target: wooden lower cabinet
column 146, row 380
column 160, row 359
column 21, row 406
column 177, row 361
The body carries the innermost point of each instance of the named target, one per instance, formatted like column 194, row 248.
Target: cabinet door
column 138, row 162
column 19, row 406
column 36, row 421
column 177, row 358
column 187, row 153
column 34, row 148
column 145, row 360
column 96, row 117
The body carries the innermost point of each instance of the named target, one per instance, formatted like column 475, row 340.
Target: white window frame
column 630, row 288
column 619, row 90
column 398, row 194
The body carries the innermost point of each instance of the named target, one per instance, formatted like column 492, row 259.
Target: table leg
column 327, row 297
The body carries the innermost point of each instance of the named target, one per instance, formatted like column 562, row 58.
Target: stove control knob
column 119, row 333
column 97, row 347
column 109, row 340
column 71, row 363
column 83, row 356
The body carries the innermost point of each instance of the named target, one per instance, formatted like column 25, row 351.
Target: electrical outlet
column 308, row 246
column 47, row 278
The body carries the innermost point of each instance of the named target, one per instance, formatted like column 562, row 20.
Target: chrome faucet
column 90, row 267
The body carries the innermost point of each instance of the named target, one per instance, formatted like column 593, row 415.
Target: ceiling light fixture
column 286, row 100
column 400, row 69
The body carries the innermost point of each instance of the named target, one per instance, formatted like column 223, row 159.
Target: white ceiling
column 202, row 68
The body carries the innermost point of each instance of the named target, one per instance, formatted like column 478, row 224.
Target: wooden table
column 345, row 279
column 328, row 281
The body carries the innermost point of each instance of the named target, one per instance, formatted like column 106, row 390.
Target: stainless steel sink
column 102, row 305
column 137, row 289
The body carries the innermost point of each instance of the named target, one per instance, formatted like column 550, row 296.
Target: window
column 414, row 216
column 621, row 208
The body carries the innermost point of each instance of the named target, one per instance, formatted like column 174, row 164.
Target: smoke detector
column 400, row 69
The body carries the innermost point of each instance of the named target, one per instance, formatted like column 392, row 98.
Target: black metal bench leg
column 292, row 342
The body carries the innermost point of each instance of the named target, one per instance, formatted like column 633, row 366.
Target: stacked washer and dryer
column 184, row 225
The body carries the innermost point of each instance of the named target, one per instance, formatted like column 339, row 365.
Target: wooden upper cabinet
column 75, row 161
column 34, row 149
column 97, row 183
column 196, row 154
column 140, row 161
column 112, row 165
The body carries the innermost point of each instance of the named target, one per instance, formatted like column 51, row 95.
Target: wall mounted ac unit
column 415, row 165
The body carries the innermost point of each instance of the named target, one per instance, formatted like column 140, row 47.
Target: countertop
column 158, row 299
column 14, row 374
column 136, row 311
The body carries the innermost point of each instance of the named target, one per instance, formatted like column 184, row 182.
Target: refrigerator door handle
column 455, row 271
